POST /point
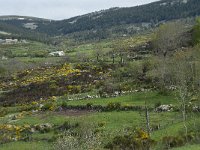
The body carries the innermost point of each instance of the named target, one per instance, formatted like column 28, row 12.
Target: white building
column 11, row 41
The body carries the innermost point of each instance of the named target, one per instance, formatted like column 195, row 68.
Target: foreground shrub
column 83, row 138
column 68, row 142
column 10, row 133
column 64, row 104
column 44, row 128
column 137, row 140
column 172, row 141
column 169, row 142
column 67, row 125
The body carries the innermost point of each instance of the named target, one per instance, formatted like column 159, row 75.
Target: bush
column 137, row 140
column 84, row 138
column 169, row 142
column 67, row 125
column 109, row 89
column 89, row 105
column 44, row 128
column 49, row 106
column 3, row 111
column 113, row 106
column 173, row 141
column 157, row 104
column 196, row 32
column 64, row 104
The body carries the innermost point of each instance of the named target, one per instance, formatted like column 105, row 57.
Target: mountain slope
column 101, row 21
column 23, row 27
column 150, row 13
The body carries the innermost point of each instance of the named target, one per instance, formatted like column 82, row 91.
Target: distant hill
column 99, row 23
column 150, row 13
column 23, row 27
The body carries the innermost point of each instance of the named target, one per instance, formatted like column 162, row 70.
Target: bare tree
column 121, row 48
column 147, row 119
column 185, row 78
column 98, row 52
column 167, row 39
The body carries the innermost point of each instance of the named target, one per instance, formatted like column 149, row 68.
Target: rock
column 57, row 53
column 43, row 127
column 32, row 130
column 14, row 117
column 164, row 108
column 88, row 96
column 117, row 93
column 41, row 105
column 196, row 108
column 34, row 111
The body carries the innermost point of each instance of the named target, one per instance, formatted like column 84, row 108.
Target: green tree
column 196, row 32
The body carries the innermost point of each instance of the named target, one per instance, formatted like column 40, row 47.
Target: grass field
column 135, row 99
column 114, row 122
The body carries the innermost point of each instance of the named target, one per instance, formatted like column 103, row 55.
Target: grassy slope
column 188, row 147
column 115, row 122
column 26, row 146
column 135, row 99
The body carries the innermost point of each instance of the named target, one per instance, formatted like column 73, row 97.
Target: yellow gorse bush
column 12, row 132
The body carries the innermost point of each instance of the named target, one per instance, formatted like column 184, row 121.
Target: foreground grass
column 113, row 122
column 188, row 147
column 26, row 146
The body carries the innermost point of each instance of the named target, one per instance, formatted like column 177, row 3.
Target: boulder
column 164, row 108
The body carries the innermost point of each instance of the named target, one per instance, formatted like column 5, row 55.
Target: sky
column 61, row 9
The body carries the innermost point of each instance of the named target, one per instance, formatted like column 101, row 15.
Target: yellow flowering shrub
column 10, row 132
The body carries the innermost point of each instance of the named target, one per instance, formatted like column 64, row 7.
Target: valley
column 89, row 83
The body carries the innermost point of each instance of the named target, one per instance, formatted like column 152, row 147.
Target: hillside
column 151, row 14
column 23, row 27
column 105, row 23
column 117, row 79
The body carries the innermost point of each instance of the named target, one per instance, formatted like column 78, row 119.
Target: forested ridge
column 99, row 22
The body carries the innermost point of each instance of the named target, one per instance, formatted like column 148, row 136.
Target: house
column 11, row 41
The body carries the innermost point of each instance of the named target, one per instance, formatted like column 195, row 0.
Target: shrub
column 44, row 128
column 68, row 142
column 138, row 140
column 64, row 104
column 157, row 104
column 3, row 111
column 49, row 106
column 84, row 138
column 173, row 141
column 101, row 124
column 113, row 106
column 89, row 105
column 67, row 125
column 196, row 32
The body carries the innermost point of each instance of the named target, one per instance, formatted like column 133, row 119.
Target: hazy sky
column 61, row 9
